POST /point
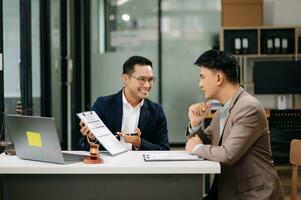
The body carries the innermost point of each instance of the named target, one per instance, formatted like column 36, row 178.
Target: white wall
column 282, row 12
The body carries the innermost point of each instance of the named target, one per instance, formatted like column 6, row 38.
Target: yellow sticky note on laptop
column 34, row 139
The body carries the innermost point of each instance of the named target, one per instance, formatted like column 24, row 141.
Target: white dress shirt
column 130, row 118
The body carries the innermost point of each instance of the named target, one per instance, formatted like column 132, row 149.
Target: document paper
column 101, row 132
column 170, row 156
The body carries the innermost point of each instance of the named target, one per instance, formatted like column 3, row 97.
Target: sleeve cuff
column 136, row 148
column 194, row 129
column 196, row 148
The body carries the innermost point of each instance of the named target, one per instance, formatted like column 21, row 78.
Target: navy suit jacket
column 152, row 121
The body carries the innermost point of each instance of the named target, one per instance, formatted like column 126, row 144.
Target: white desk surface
column 126, row 163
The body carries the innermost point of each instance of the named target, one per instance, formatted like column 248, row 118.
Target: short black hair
column 222, row 61
column 128, row 66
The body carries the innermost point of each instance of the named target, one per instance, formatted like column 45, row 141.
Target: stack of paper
column 170, row 156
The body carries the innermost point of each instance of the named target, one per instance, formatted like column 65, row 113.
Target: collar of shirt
column 225, row 107
column 222, row 116
column 128, row 105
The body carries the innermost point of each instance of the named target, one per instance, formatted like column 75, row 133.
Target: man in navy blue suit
column 139, row 122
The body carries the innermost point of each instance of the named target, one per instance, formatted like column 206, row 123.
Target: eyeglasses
column 142, row 79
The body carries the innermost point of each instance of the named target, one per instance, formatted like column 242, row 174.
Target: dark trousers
column 212, row 194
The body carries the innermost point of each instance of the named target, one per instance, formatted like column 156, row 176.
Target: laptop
column 36, row 138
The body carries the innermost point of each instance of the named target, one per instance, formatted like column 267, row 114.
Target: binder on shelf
column 284, row 45
column 237, row 45
column 269, row 46
column 245, row 45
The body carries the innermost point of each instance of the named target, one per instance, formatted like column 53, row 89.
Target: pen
column 128, row 134
column 133, row 134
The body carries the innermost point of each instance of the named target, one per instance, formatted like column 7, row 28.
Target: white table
column 125, row 176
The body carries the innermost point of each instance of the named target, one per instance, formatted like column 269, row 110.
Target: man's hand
column 192, row 142
column 133, row 139
column 198, row 112
column 85, row 131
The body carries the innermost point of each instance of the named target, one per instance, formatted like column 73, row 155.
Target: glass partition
column 121, row 29
column 36, row 62
column 11, row 49
column 188, row 29
column 56, row 70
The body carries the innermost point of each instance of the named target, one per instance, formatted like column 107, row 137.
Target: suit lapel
column 117, row 112
column 234, row 99
column 216, row 137
column 144, row 115
column 225, row 124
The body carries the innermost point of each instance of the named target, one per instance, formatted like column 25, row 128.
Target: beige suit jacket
column 247, row 168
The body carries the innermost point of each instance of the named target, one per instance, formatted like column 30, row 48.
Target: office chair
column 285, row 125
column 295, row 160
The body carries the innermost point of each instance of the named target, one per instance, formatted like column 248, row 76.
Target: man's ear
column 220, row 79
column 124, row 78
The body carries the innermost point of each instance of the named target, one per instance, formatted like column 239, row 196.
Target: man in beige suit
column 238, row 136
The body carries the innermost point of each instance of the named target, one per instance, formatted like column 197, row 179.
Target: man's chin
column 207, row 97
column 144, row 95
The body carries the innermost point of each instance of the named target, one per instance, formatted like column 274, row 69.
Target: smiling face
column 133, row 87
column 209, row 82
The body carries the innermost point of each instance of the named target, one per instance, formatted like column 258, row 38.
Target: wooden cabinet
column 242, row 13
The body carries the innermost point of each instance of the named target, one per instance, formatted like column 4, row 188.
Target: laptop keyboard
column 72, row 157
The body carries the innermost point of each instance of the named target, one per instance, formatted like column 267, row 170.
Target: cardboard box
column 242, row 12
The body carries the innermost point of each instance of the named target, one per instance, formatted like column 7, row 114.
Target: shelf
column 259, row 27
column 279, row 27
column 246, row 55
column 266, row 55
column 272, row 56
column 240, row 27
column 261, row 41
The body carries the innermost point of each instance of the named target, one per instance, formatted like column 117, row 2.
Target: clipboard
column 170, row 156
column 101, row 132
